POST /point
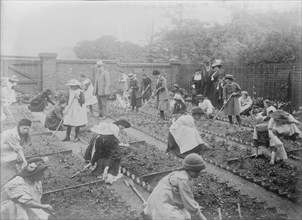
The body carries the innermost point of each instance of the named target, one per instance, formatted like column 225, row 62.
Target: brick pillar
column 49, row 70
column 175, row 71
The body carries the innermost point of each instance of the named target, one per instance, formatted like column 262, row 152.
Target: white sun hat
column 73, row 82
column 105, row 129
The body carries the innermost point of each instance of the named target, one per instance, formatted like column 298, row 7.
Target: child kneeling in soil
column 103, row 150
column 173, row 196
column 264, row 136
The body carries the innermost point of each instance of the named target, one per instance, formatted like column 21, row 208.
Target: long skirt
column 135, row 101
column 162, row 105
column 52, row 123
column 232, row 107
column 174, row 148
column 39, row 107
column 114, row 166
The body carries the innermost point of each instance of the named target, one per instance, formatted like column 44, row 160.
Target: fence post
column 175, row 71
column 49, row 70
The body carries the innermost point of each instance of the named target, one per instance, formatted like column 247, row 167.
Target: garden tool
column 153, row 94
column 222, row 107
column 10, row 114
column 238, row 158
column 61, row 122
column 156, row 122
column 152, row 175
column 130, row 183
column 145, row 90
column 77, row 173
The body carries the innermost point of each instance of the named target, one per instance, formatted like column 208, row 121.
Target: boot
column 77, row 130
column 67, row 138
column 162, row 115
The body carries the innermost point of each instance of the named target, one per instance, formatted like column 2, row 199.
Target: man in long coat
column 102, row 89
column 162, row 94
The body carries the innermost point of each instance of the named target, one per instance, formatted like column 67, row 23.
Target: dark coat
column 145, row 83
column 232, row 107
column 38, row 102
column 54, row 118
column 135, row 94
column 179, row 108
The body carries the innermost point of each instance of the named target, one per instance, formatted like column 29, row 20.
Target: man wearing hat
column 231, row 92
column 135, row 95
column 22, row 195
column 39, row 102
column 183, row 137
column 206, row 105
column 173, row 197
column 87, row 87
column 12, row 143
column 102, row 88
column 216, row 84
column 162, row 94
column 103, row 149
column 245, row 103
column 76, row 111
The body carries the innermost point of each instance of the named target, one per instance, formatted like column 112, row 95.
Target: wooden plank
column 50, row 154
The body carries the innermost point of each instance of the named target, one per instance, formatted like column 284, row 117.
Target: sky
column 31, row 27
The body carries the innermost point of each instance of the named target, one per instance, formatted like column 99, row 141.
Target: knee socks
column 77, row 130
column 238, row 119
column 230, row 119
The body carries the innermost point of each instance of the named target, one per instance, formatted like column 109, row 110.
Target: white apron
column 76, row 115
column 90, row 99
column 185, row 133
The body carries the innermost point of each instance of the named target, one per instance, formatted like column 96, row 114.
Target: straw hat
column 14, row 78
column 217, row 63
column 99, row 63
column 229, row 76
column 245, row 93
column 105, row 129
column 73, row 82
column 123, row 121
column 131, row 75
column 178, row 97
column 199, row 96
column 86, row 81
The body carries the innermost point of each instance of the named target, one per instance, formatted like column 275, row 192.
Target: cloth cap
column 14, row 78
column 262, row 127
column 176, row 86
column 217, row 63
column 99, row 63
column 229, row 76
column 24, row 122
column 197, row 111
column 32, row 169
column 122, row 121
column 105, row 129
column 268, row 102
column 73, row 82
column 48, row 91
column 177, row 96
column 155, row 72
column 193, row 162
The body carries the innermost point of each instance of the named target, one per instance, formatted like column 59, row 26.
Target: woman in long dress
column 231, row 92
column 55, row 116
column 21, row 196
column 76, row 111
column 135, row 95
column 90, row 99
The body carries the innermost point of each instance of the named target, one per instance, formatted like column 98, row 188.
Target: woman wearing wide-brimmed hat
column 90, row 99
column 231, row 92
column 135, row 95
column 245, row 103
column 284, row 125
column 39, row 101
column 173, row 197
column 21, row 196
column 162, row 94
column 183, row 137
column 103, row 149
column 76, row 111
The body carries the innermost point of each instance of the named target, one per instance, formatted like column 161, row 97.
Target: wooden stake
column 219, row 212
column 239, row 210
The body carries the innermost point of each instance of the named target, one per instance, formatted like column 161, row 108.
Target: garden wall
column 279, row 81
